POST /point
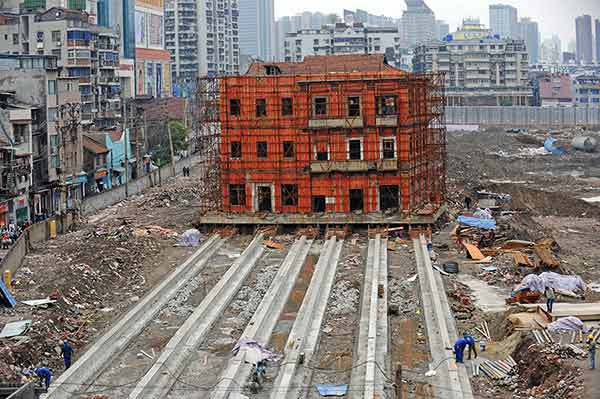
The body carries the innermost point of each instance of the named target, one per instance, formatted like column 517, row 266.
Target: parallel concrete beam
column 304, row 337
column 93, row 362
column 157, row 382
column 265, row 318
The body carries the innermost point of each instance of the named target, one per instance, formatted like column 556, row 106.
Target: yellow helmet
column 591, row 336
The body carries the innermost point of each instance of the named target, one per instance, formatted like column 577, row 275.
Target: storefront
column 21, row 210
column 101, row 180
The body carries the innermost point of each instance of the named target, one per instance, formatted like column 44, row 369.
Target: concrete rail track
column 304, row 336
column 96, row 359
column 452, row 380
column 174, row 357
column 370, row 363
column 264, row 320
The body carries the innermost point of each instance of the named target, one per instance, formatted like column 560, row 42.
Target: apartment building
column 585, row 39
column 202, row 37
column 587, row 90
column 479, row 69
column 342, row 38
column 152, row 61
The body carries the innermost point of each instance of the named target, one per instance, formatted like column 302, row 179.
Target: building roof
column 323, row 64
column 93, row 146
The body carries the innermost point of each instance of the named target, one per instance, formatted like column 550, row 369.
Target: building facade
column 361, row 148
column 202, row 38
column 529, row 32
column 597, row 38
column 556, row 89
column 152, row 61
column 583, row 30
column 503, row 21
column 257, row 29
column 369, row 19
column 342, row 39
column 587, row 90
column 479, row 69
column 418, row 24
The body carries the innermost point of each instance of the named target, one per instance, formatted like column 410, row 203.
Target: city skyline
column 550, row 14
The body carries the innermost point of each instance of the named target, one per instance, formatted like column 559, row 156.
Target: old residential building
column 343, row 39
column 202, row 37
column 587, row 90
column 479, row 69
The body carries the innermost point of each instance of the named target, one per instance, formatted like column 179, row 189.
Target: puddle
column 487, row 297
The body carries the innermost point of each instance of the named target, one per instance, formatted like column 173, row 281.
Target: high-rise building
column 479, row 68
column 597, row 31
column 342, row 38
column 257, row 28
column 152, row 61
column 503, row 20
column 202, row 37
column 369, row 19
column 583, row 29
column 529, row 32
column 417, row 24
column 551, row 50
column 442, row 29
column 283, row 26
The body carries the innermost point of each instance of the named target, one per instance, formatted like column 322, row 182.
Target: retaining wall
column 524, row 116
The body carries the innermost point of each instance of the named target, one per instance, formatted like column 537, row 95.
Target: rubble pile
column 402, row 298
column 182, row 194
column 344, row 298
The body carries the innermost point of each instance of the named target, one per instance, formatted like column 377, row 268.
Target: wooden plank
column 546, row 256
column 522, row 259
column 473, row 251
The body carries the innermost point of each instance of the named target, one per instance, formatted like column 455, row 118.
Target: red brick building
column 332, row 135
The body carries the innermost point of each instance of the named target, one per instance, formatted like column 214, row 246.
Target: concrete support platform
column 219, row 219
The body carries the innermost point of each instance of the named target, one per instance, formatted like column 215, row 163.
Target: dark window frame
column 261, row 107
column 353, row 106
column 352, row 152
column 289, row 195
column 385, row 152
column 319, row 203
column 383, row 109
column 237, row 194
column 289, row 150
column 287, row 106
column 320, row 106
column 235, row 107
column 235, row 148
column 262, row 150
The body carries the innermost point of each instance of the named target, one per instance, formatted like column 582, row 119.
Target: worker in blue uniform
column 66, row 351
column 459, row 349
column 471, row 344
column 45, row 376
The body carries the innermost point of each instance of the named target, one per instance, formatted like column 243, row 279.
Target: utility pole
column 171, row 147
column 125, row 144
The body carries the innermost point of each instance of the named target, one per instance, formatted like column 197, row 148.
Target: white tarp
column 191, row 238
column 567, row 324
column 554, row 280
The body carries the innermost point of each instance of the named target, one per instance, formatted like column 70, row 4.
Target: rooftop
column 93, row 146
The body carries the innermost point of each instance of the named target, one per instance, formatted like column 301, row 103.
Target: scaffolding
column 353, row 136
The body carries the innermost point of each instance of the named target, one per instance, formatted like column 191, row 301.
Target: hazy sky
column 553, row 16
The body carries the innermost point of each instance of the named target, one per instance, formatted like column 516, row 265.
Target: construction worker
column 592, row 351
column 45, row 376
column 66, row 351
column 550, row 296
column 459, row 349
column 471, row 344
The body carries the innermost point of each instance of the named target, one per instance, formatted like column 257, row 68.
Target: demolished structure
column 332, row 139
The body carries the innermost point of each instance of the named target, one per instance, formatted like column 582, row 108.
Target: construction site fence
column 530, row 117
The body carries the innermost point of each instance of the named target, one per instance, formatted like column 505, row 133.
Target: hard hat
column 591, row 336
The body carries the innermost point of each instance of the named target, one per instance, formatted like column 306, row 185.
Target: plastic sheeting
column 567, row 324
column 550, row 147
column 254, row 351
column 190, row 238
column 332, row 390
column 486, row 224
column 557, row 281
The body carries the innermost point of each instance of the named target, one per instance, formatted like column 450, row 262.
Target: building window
column 322, row 152
column 318, row 203
column 388, row 148
column 52, row 87
column 320, row 106
column 56, row 35
column 289, row 194
column 355, row 149
column 261, row 149
column 356, row 200
column 15, row 38
column 236, row 150
column 52, row 115
column 353, row 106
column 234, row 107
column 389, row 197
column 287, row 108
column 55, row 161
column 261, row 107
column 57, row 53
column 386, row 105
column 288, row 149
column 20, row 133
column 237, row 194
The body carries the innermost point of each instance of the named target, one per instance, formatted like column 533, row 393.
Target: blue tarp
column 332, row 390
column 6, row 296
column 487, row 224
column 550, row 147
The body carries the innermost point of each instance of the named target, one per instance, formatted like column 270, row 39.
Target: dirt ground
column 547, row 193
column 95, row 274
